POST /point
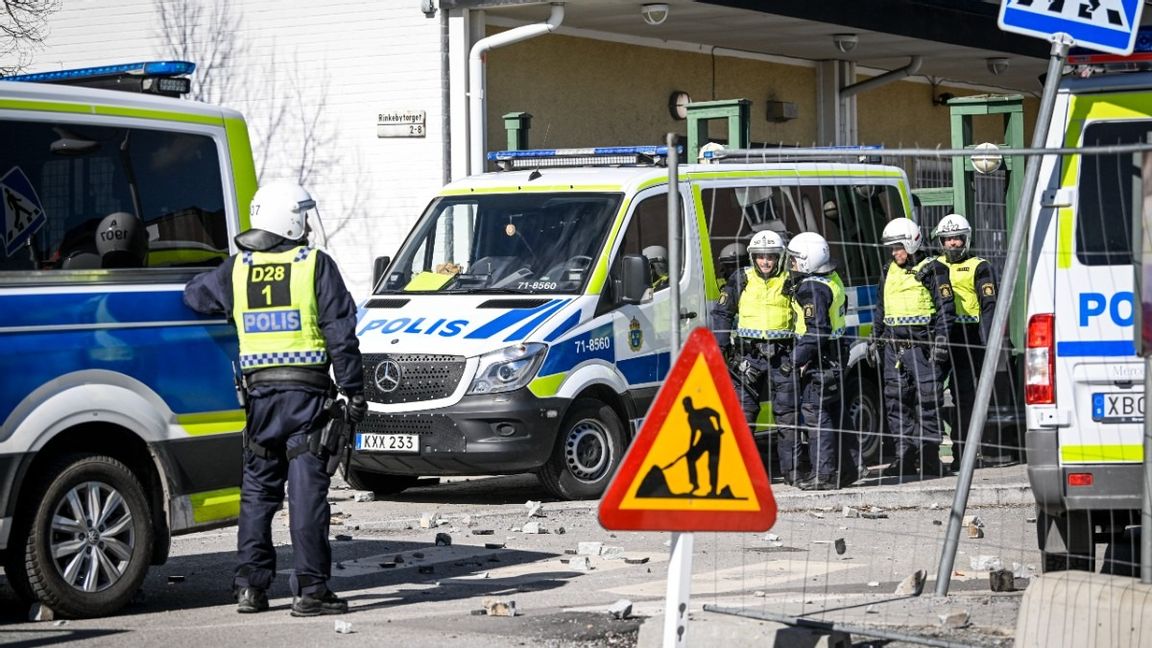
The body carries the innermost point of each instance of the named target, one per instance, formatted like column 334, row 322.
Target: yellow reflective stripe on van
column 243, row 167
column 711, row 288
column 1081, row 110
column 101, row 109
column 1127, row 453
column 790, row 173
column 600, row 274
column 202, row 423
column 547, row 386
column 215, row 506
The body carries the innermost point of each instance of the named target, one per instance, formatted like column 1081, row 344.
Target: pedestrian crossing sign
column 694, row 465
column 23, row 212
column 1102, row 25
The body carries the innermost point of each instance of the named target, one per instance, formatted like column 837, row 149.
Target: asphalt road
column 406, row 590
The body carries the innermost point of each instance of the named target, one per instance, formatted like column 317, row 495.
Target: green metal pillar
column 517, row 125
column 1011, row 108
column 735, row 111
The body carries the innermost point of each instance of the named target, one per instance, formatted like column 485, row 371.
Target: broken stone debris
column 986, row 563
column 343, row 627
column 496, row 607
column 840, row 546
column 589, row 548
column 850, row 512
column 913, row 584
column 636, row 561
column 341, row 537
column 364, row 496
column 621, row 609
column 41, row 612
column 535, row 509
column 1002, row 580
column 429, row 520
column 773, row 540
column 493, row 545
column 612, row 553
column 817, row 514
column 443, row 540
column 483, row 531
column 580, row 563
column 974, row 525
column 532, row 528
column 955, row 619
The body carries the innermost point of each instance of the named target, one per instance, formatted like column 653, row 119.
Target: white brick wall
column 359, row 58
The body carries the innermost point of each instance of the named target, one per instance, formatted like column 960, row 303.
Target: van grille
column 422, row 377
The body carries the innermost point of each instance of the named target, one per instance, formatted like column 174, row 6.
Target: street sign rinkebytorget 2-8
column 694, row 465
column 1103, row 25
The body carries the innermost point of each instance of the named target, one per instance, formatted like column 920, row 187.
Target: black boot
column 250, row 600
column 325, row 602
column 903, row 467
column 819, row 483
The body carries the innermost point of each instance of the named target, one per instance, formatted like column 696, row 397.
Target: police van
column 1084, row 383
column 119, row 423
column 521, row 328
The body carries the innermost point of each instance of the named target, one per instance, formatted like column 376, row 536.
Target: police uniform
column 295, row 318
column 761, row 310
column 974, row 289
column 913, row 316
column 820, row 305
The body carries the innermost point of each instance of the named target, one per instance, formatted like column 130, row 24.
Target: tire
column 863, row 414
column 1070, row 528
column 14, row 568
column 588, row 451
column 94, row 565
column 379, row 483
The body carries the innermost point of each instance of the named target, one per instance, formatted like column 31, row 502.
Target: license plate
column 406, row 443
column 1118, row 407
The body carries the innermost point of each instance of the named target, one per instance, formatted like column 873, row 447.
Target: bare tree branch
column 22, row 28
column 210, row 43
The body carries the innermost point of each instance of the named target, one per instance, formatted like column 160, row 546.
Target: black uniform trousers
column 280, row 419
column 913, row 398
column 832, row 452
column 966, row 359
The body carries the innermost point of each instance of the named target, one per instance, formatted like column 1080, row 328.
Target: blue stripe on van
column 544, row 314
column 1096, row 348
column 508, row 319
column 645, row 369
column 866, row 296
column 189, row 366
column 564, row 327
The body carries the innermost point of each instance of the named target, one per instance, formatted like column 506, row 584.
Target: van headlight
column 507, row 369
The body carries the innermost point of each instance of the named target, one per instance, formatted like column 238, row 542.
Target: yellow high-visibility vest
column 275, row 310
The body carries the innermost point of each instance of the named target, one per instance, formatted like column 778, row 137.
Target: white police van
column 1084, row 383
column 519, row 328
column 119, row 424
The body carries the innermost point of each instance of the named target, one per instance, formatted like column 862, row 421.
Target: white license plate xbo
column 1117, row 407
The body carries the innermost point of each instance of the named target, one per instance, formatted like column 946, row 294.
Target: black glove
column 940, row 349
column 785, row 366
column 750, row 372
column 357, row 408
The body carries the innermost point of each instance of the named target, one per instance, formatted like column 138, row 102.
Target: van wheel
column 379, row 483
column 864, row 414
column 91, row 537
column 15, row 570
column 588, row 451
column 1074, row 533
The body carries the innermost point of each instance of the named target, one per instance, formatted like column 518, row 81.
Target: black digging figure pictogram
column 705, row 432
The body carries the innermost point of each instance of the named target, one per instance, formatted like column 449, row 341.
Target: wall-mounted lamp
column 845, row 42
column 654, row 13
column 942, row 99
column 996, row 65
column 678, row 104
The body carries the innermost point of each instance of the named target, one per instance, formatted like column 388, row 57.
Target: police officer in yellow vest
column 295, row 320
column 658, row 264
column 913, row 315
column 820, row 305
column 974, row 286
column 756, row 300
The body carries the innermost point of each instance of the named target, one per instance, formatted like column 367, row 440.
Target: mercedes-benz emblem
column 388, row 376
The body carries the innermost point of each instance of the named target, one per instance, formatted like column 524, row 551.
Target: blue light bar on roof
column 606, row 151
column 142, row 69
column 1141, row 51
column 863, row 153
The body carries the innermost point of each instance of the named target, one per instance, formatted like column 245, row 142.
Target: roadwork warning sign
column 694, row 465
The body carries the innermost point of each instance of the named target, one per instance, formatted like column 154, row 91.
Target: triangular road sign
column 694, row 465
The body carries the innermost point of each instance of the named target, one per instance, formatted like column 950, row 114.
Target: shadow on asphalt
column 504, row 489
column 205, row 580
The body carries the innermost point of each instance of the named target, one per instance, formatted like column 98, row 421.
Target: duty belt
column 310, row 377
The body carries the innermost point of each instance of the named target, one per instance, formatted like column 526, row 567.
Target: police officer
column 732, row 257
column 757, row 299
column 914, row 313
column 820, row 304
column 974, row 290
column 295, row 319
column 658, row 263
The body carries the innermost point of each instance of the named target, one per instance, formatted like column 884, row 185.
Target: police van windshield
column 505, row 243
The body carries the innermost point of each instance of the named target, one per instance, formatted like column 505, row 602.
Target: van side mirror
column 378, row 268
column 633, row 280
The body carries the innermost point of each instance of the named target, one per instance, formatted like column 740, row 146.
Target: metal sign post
column 1060, row 45
column 680, row 560
column 1142, row 231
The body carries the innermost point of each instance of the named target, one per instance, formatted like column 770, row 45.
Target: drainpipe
column 477, row 106
column 888, row 77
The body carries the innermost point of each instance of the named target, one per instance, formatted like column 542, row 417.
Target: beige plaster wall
column 584, row 92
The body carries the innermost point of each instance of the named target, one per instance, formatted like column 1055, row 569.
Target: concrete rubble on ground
column 589, row 548
column 364, row 496
column 535, row 509
column 975, row 526
column 497, row 607
column 532, row 528
column 986, row 563
column 429, row 520
column 913, row 584
column 954, row 619
column 343, row 627
column 443, row 540
column 621, row 609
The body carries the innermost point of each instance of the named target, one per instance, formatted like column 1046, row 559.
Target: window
column 647, row 234
column 734, row 214
column 96, row 197
column 1110, row 186
column 852, row 217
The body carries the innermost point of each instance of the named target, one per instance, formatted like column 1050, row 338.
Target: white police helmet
column 657, row 258
column 281, row 207
column 732, row 253
column 766, row 242
column 950, row 226
column 809, row 251
column 904, row 232
column 121, row 241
